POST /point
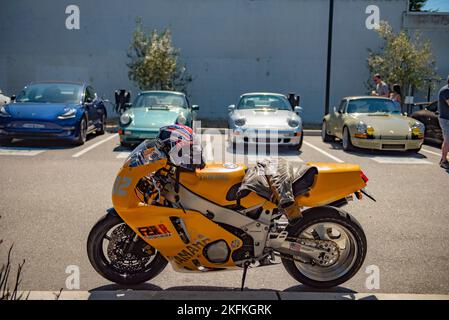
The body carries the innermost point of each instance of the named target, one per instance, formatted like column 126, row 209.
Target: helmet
column 180, row 145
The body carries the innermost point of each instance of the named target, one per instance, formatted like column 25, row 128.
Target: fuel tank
column 217, row 181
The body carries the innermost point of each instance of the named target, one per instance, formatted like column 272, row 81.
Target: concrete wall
column 230, row 46
column 434, row 27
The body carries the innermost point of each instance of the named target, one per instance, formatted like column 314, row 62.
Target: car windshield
column 264, row 102
column 160, row 100
column 373, row 106
column 51, row 93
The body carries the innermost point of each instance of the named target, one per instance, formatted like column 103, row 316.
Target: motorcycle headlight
column 293, row 123
column 125, row 119
column 3, row 112
column 240, row 122
column 181, row 119
column 361, row 127
column 68, row 114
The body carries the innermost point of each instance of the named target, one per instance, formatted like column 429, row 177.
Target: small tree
column 154, row 61
column 417, row 5
column 404, row 60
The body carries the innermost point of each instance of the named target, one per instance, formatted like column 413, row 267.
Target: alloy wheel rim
column 348, row 251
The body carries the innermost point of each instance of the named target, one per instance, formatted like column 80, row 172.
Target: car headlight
column 293, row 123
column 418, row 129
column 125, row 119
column 181, row 119
column 361, row 127
column 3, row 112
column 68, row 114
column 240, row 122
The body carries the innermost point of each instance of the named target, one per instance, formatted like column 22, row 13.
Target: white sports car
column 268, row 118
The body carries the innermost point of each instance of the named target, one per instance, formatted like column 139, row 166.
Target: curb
column 223, row 295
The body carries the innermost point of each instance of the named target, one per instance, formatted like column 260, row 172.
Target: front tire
column 346, row 141
column 324, row 136
column 5, row 141
column 101, row 130
column 82, row 133
column 328, row 223
column 126, row 259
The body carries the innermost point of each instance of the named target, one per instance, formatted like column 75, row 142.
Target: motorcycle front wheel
column 119, row 255
column 328, row 223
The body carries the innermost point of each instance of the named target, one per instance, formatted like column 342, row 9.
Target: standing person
column 381, row 87
column 396, row 94
column 443, row 108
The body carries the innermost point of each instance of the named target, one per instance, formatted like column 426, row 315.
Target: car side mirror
column 13, row 98
column 195, row 107
column 88, row 100
column 128, row 105
column 298, row 110
column 231, row 107
column 297, row 101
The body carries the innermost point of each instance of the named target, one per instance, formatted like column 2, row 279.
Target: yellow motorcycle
column 195, row 220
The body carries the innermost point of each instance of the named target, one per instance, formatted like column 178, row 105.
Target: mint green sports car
column 152, row 110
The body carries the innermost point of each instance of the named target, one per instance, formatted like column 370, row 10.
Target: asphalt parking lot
column 52, row 194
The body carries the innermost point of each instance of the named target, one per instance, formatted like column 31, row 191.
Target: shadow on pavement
column 369, row 153
column 149, row 291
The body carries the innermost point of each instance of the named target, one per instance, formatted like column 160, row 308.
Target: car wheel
column 324, row 136
column 101, row 130
column 5, row 141
column 82, row 134
column 347, row 144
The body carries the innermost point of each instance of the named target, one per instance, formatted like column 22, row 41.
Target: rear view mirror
column 195, row 107
column 231, row 107
column 297, row 101
column 298, row 110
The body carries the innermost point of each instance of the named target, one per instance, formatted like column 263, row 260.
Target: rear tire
column 357, row 245
column 109, row 268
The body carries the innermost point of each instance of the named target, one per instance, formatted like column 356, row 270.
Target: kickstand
column 245, row 269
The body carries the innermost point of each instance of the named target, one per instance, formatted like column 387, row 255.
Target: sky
column 442, row 5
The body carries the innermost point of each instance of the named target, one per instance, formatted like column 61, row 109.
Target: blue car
column 53, row 110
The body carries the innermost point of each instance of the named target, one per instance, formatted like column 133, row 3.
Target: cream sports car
column 372, row 123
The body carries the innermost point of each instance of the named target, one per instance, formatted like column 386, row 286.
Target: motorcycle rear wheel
column 119, row 265
column 328, row 223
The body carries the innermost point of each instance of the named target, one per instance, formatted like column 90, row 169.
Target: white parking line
column 431, row 152
column 399, row 160
column 79, row 154
column 323, row 152
column 123, row 155
column 20, row 151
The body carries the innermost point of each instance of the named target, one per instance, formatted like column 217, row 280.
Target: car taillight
column 364, row 177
